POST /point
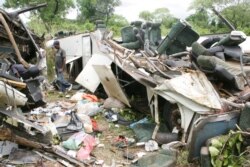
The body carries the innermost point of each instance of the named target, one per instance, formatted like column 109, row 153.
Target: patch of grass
column 50, row 64
column 182, row 160
column 54, row 95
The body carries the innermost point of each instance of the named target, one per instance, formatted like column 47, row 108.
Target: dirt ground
column 106, row 151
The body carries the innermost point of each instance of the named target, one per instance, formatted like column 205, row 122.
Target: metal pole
column 223, row 19
column 31, row 38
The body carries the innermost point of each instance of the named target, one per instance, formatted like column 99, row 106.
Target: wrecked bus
column 197, row 92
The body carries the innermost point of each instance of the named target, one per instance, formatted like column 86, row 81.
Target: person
column 25, row 73
column 60, row 63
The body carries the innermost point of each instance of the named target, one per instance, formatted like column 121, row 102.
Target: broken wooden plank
column 7, row 134
column 21, row 85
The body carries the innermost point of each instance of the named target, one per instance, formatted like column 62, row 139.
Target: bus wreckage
column 199, row 90
column 20, row 92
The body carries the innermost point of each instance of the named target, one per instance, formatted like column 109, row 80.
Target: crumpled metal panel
column 11, row 96
column 194, row 86
column 110, row 83
column 88, row 77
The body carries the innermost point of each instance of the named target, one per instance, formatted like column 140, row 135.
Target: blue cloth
column 20, row 71
column 62, row 83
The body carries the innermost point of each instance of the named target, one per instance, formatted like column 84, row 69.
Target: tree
column 87, row 9
column 160, row 15
column 204, row 23
column 52, row 14
column 238, row 15
column 96, row 9
column 146, row 15
column 116, row 22
column 236, row 11
column 55, row 9
column 164, row 16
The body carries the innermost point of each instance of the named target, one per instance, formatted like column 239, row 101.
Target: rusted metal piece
column 236, row 105
column 245, row 94
column 159, row 70
column 116, row 46
column 118, row 53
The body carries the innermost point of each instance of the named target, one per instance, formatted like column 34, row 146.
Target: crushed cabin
column 19, row 79
column 189, row 86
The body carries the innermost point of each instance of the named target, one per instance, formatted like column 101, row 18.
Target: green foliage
column 236, row 11
column 50, row 63
column 238, row 15
column 160, row 15
column 203, row 23
column 55, row 8
column 226, row 150
column 146, row 15
column 38, row 26
column 163, row 15
column 198, row 4
column 96, row 9
column 115, row 23
column 165, row 30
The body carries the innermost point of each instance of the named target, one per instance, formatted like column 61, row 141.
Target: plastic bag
column 84, row 152
column 75, row 141
column 90, row 108
column 113, row 103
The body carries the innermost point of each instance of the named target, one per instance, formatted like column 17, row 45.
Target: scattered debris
column 151, row 145
column 193, row 97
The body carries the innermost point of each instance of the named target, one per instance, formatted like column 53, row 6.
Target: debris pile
column 191, row 94
column 73, row 134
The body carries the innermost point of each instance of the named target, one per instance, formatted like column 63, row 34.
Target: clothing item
column 56, row 43
column 62, row 83
column 60, row 55
column 18, row 69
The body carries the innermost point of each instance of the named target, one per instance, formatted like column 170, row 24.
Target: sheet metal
column 11, row 96
column 194, row 86
column 110, row 83
column 88, row 78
